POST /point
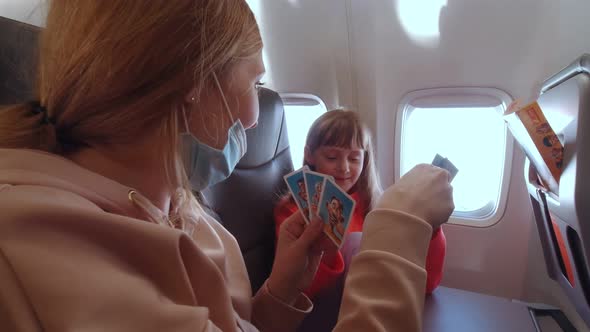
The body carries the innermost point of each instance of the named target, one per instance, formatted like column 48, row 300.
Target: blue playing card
column 314, row 183
column 335, row 209
column 446, row 164
column 296, row 183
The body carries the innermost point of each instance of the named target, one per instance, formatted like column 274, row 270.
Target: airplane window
column 301, row 110
column 474, row 137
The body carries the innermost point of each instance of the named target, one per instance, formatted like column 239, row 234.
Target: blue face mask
column 205, row 165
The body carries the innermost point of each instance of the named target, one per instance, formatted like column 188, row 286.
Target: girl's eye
column 331, row 158
column 355, row 157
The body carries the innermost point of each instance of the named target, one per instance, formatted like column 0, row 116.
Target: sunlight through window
column 472, row 138
column 420, row 19
column 300, row 117
column 465, row 126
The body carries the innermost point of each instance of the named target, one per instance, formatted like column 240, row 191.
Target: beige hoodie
column 77, row 255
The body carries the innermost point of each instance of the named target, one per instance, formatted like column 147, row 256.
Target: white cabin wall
column 306, row 48
column 510, row 45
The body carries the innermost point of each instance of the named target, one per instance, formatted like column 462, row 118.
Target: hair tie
column 37, row 108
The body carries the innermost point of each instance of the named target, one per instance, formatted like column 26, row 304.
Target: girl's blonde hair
column 111, row 71
column 344, row 128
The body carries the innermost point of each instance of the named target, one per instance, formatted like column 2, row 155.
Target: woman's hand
column 299, row 251
column 424, row 192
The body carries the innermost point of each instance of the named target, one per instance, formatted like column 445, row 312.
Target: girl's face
column 344, row 164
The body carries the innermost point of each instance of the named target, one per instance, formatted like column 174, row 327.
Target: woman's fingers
column 310, row 235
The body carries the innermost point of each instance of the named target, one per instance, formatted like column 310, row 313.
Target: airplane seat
column 563, row 217
column 245, row 201
column 18, row 45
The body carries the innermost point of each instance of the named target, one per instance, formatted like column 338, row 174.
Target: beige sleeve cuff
column 409, row 237
column 270, row 314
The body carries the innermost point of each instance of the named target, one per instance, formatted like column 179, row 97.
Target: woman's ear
column 191, row 96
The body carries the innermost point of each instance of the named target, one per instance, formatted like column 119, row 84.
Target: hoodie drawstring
column 155, row 214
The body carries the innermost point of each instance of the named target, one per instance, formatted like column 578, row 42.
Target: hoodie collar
column 39, row 168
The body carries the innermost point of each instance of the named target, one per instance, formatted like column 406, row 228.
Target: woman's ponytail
column 27, row 126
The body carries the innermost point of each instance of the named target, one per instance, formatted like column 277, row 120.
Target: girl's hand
column 299, row 252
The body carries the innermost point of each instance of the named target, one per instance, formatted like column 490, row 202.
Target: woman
column 99, row 228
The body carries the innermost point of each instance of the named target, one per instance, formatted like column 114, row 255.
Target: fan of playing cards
column 317, row 194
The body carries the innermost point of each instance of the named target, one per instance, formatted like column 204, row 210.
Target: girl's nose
column 343, row 166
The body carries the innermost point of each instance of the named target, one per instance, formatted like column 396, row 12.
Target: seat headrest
column 269, row 138
column 18, row 59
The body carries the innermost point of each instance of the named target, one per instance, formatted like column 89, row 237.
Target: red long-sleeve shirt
column 332, row 267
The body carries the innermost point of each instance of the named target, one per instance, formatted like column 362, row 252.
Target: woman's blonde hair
column 111, row 71
column 344, row 128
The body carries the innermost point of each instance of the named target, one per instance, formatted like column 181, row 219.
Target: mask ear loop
column 243, row 140
column 185, row 120
column 223, row 97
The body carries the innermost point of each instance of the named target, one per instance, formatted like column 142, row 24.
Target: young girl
column 339, row 144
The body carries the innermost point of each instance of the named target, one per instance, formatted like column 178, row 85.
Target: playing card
column 314, row 183
column 335, row 209
column 296, row 183
column 446, row 164
column 438, row 160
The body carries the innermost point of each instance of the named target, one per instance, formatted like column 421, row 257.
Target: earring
column 193, row 98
